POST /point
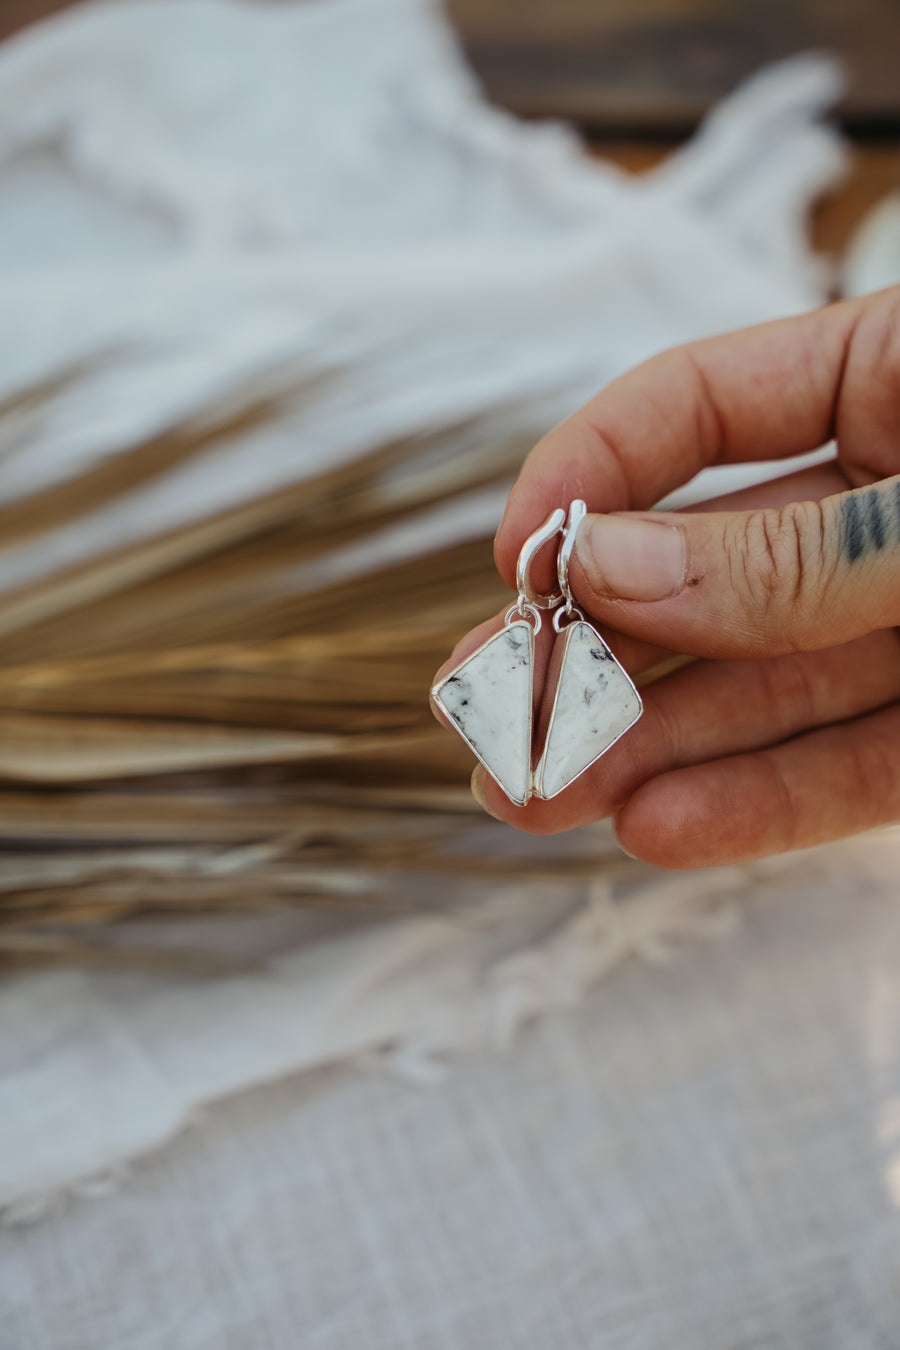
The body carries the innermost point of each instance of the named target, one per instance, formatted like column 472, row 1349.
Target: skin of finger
column 810, row 484
column 825, row 785
column 714, row 709
column 880, row 333
column 865, row 417
column 766, row 392
column 764, row 582
column 579, row 804
column 634, row 655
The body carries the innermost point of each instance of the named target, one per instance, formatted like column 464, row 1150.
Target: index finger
column 767, row 392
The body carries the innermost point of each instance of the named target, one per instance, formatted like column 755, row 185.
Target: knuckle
column 872, row 365
column 784, row 806
column 789, row 684
column 664, row 730
column 779, row 568
column 883, row 333
column 871, row 777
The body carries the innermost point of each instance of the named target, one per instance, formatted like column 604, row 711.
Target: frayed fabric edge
column 553, row 976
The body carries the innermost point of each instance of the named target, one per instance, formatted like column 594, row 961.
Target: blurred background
column 637, row 77
column 287, row 303
column 288, row 289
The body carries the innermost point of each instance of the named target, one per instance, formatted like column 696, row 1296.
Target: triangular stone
column 595, row 703
column 488, row 698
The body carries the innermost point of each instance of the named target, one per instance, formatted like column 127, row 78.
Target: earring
column 489, row 697
column 593, row 701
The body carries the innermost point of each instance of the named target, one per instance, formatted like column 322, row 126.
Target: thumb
column 746, row 583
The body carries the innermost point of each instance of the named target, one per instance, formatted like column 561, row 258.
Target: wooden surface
column 650, row 64
column 16, row 14
column 639, row 64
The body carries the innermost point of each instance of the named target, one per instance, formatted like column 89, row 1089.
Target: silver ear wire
column 589, row 700
column 551, row 527
column 577, row 513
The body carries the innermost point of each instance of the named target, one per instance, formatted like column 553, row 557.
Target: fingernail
column 632, row 557
column 479, row 775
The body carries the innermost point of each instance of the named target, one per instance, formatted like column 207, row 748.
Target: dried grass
column 224, row 716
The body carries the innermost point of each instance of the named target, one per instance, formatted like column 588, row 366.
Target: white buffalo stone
column 595, row 704
column 488, row 698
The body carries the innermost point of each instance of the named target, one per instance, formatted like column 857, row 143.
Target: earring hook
column 577, row 513
column 551, row 527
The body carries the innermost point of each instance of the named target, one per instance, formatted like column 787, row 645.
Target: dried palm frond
column 232, row 714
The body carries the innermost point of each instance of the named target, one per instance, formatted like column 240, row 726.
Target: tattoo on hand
column 870, row 520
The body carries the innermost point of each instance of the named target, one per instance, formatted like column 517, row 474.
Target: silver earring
column 593, row 701
column 489, row 697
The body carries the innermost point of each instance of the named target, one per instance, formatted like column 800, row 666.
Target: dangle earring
column 489, row 697
column 589, row 700
column 593, row 701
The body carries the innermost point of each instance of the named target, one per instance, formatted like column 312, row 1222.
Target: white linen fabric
column 221, row 192
column 96, row 1068
column 701, row 1155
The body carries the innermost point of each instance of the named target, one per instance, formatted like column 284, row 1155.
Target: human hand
column 786, row 732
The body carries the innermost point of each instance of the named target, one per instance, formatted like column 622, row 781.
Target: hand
column 786, row 732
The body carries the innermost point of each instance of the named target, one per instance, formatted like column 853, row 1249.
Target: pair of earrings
column 589, row 701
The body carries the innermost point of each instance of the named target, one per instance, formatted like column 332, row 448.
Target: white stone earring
column 589, row 700
column 489, row 697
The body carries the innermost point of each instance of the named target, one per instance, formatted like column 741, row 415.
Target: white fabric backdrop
column 220, row 192
column 702, row 1155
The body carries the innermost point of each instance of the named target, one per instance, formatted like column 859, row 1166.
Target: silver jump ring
column 566, row 614
column 525, row 611
column 551, row 527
